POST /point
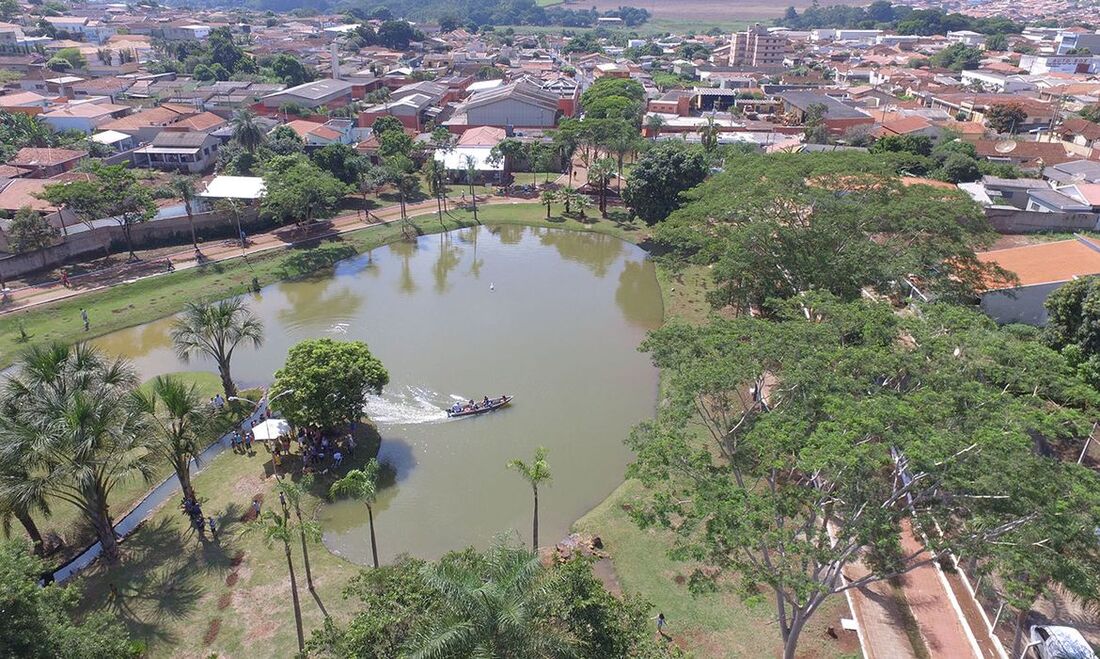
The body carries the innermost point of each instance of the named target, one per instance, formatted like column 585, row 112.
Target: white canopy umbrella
column 271, row 429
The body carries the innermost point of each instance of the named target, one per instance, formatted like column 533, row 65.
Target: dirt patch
column 231, row 579
column 225, row 600
column 238, row 558
column 605, row 572
column 212, row 630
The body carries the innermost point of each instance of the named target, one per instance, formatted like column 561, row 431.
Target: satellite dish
column 1006, row 146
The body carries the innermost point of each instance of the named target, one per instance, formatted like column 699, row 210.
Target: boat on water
column 460, row 410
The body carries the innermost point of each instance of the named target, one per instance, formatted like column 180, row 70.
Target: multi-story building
column 757, row 47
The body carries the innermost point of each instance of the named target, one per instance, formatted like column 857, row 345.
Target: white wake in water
column 406, row 406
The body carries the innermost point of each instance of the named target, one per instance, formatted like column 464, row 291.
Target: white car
column 1050, row 642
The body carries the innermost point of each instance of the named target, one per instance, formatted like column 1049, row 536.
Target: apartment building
column 757, row 47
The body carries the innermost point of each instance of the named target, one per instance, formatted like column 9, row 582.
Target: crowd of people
column 193, row 510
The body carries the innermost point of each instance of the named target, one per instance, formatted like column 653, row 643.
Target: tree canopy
column 329, row 381
column 778, row 226
column 299, row 191
column 836, row 424
column 653, row 188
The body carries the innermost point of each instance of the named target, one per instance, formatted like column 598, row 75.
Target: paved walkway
column 281, row 238
column 932, row 604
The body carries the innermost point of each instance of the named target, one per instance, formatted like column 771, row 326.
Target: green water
column 553, row 317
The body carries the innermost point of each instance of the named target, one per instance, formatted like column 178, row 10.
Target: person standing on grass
column 248, row 441
column 213, row 528
column 84, row 317
column 661, row 623
column 256, row 507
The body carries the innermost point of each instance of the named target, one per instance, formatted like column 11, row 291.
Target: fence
column 102, row 240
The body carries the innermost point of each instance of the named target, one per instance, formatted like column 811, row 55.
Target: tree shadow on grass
column 160, row 579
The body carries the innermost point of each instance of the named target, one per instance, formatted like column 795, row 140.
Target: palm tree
column 277, row 528
column 600, row 173
column 361, row 484
column 246, row 131
column 548, row 197
column 709, row 135
column 292, row 493
column 216, row 329
column 12, row 506
column 622, row 143
column 654, row 123
column 75, row 430
column 471, row 174
column 184, row 186
column 535, row 473
column 492, row 608
column 566, row 196
column 177, row 415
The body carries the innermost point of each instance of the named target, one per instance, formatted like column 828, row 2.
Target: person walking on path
column 213, row 528
column 65, row 279
column 256, row 507
column 84, row 317
column 661, row 623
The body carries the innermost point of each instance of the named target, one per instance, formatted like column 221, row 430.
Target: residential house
column 312, row 95
column 413, row 111
column 315, row 134
column 85, row 116
column 46, row 162
column 114, row 140
column 1047, row 200
column 1040, row 269
column 837, row 116
column 1073, row 171
column 176, row 150
column 1081, row 132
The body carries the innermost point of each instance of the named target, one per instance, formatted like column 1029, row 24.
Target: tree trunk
column 535, row 524
column 227, row 380
column 129, row 241
column 105, row 532
column 1018, row 634
column 305, row 548
column 548, row 211
column 32, row 531
column 439, row 209
column 183, row 473
column 191, row 221
column 373, row 542
column 294, row 596
column 790, row 644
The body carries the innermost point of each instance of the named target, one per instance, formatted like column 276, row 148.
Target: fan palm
column 246, row 131
column 76, row 431
column 361, row 484
column 536, row 473
column 278, row 528
column 215, row 329
column 548, row 197
column 13, row 507
column 184, row 187
column 177, row 417
column 492, row 609
column 292, row 494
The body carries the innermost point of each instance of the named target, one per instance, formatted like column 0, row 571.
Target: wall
column 1010, row 220
column 100, row 240
column 1019, row 305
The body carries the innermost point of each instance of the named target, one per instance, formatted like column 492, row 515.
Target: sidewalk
column 280, row 238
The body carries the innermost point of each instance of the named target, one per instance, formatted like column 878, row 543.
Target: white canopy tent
column 271, row 429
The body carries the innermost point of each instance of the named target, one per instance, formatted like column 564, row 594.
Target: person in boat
column 456, row 408
column 471, row 405
column 485, row 402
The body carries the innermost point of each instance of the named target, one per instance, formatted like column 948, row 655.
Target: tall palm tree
column 292, row 493
column 246, row 131
column 177, row 416
column 536, row 473
column 361, row 484
column 622, row 143
column 277, row 528
column 184, row 186
column 76, row 431
column 215, row 329
column 492, row 609
column 654, row 123
column 471, row 174
column 600, row 173
column 548, row 197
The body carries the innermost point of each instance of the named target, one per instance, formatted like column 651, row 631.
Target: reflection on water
column 562, row 338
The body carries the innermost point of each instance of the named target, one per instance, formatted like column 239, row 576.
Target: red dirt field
column 702, row 10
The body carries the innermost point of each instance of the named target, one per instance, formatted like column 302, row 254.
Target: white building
column 990, row 81
column 966, row 37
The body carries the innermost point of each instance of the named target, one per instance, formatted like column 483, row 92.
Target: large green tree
column 835, row 426
column 1073, row 325
column 29, row 231
column 653, row 189
column 329, row 381
column 299, row 191
column 39, row 622
column 778, row 226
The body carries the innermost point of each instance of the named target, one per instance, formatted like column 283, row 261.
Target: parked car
column 1051, row 642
